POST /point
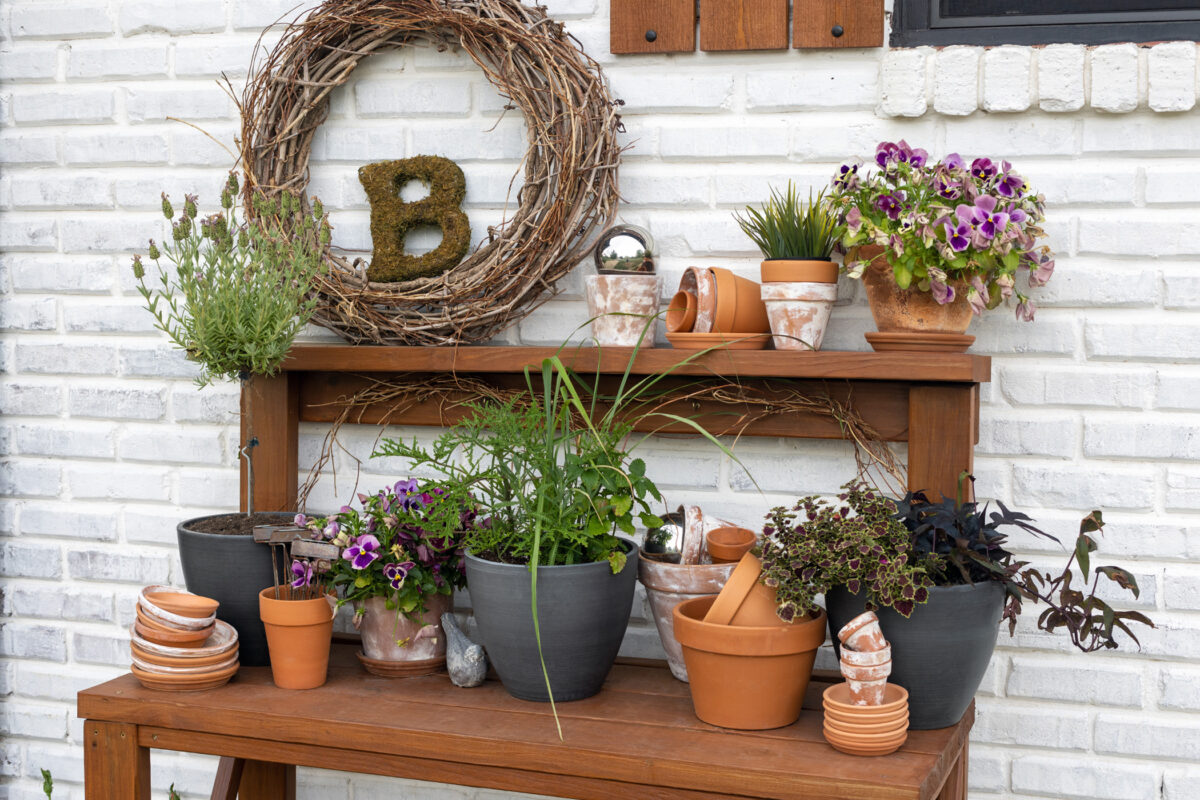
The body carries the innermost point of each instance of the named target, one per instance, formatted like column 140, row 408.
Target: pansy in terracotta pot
column 400, row 561
column 935, row 243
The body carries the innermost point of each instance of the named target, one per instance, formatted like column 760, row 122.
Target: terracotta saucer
column 224, row 638
column 169, row 617
column 174, row 638
column 184, row 604
column 837, row 697
column 885, row 727
column 401, row 669
column 184, row 683
column 199, row 669
column 137, row 650
column 919, row 342
column 863, row 746
column 724, row 341
column 870, row 718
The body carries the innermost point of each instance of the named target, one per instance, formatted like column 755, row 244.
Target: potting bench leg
column 114, row 765
column 271, row 414
column 266, row 780
column 943, row 426
column 955, row 787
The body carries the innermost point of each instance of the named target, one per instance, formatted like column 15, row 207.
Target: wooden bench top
column 637, row 739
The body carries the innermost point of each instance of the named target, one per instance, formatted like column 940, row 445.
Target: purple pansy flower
column 1041, row 270
column 363, row 552
column 959, row 238
column 889, row 205
column 915, row 156
column 847, row 176
column 954, row 161
column 300, row 521
column 853, row 221
column 951, row 190
column 886, row 153
column 303, row 572
column 942, row 292
column 331, row 530
column 983, row 168
column 396, row 573
column 1011, row 185
column 1025, row 310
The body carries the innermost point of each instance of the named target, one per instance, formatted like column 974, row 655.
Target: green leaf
column 637, row 469
column 362, row 582
column 622, row 505
column 1083, row 546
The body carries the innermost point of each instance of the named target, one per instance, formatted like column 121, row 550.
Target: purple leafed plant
column 947, row 227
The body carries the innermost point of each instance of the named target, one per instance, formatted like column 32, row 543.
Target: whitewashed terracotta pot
column 668, row 585
column 635, row 297
column 799, row 313
column 388, row 635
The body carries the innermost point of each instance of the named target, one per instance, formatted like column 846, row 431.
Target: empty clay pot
column 794, row 270
column 699, row 282
column 863, row 633
column 868, row 658
column 681, row 313
column 798, row 313
column 744, row 601
column 728, row 545
column 747, row 678
column 299, row 633
column 621, row 307
column 739, row 304
column 667, row 585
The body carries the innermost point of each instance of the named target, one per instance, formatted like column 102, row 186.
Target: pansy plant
column 404, row 544
column 947, row 227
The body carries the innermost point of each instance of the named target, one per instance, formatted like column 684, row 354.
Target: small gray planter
column 940, row 653
column 583, row 610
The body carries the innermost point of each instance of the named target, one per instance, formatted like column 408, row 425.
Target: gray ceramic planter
column 232, row 570
column 940, row 653
column 583, row 610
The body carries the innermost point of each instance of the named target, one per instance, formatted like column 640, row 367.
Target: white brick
column 1071, row 487
column 987, row 770
column 997, row 333
column 1180, row 784
column 1048, row 435
column 29, row 64
column 471, row 140
column 72, row 106
column 28, row 314
column 725, row 143
column 145, row 525
column 147, row 443
column 1042, row 678
column 1142, row 440
column 402, row 96
column 44, row 642
column 209, row 488
column 109, row 403
column 1172, row 76
column 1006, row 78
column 1172, row 185
column 30, row 400
column 172, row 16
column 902, row 83
column 96, row 234
column 691, row 93
column 162, row 361
column 1089, row 780
column 201, row 56
column 45, row 682
column 34, row 721
column 1179, row 391
column 19, row 560
column 1012, row 137
column 118, row 317
column 1164, row 235
column 1182, row 591
column 956, row 80
column 255, row 15
column 65, row 440
column 218, row 404
column 357, row 145
column 100, row 649
column 53, row 602
column 1183, row 488
column 1137, row 735
column 1115, row 78
column 147, row 104
column 117, row 482
column 1179, row 687
column 1162, row 342
column 61, row 20
column 89, row 61
column 68, row 522
column 1002, row 722
column 28, row 234
column 66, row 359
column 842, row 84
column 1107, row 387
column 131, row 148
column 30, row 478
column 195, row 149
column 1140, row 133
column 1082, row 185
column 98, row 565
column 55, row 190
column 28, row 148
column 1060, row 77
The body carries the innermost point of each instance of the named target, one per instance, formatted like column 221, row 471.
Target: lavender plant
column 857, row 543
column 946, row 227
column 241, row 290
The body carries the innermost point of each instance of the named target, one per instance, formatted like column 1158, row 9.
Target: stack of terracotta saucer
column 866, row 715
column 178, row 644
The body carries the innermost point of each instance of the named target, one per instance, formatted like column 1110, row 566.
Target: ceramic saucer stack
column 865, row 730
column 178, row 644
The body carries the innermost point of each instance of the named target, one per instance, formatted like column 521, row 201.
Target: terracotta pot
column 668, row 585
column 739, row 304
column 867, row 658
column 748, row 678
column 863, row 633
column 799, row 313
column 744, row 601
column 388, row 635
column 620, row 307
column 908, row 310
column 699, row 282
column 794, row 270
column 867, row 693
column 875, row 672
column 727, row 545
column 299, row 634
column 681, row 313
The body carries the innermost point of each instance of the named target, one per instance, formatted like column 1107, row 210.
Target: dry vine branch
column 570, row 167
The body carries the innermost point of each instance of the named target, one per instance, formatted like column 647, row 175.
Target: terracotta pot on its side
column 744, row 601
column 747, row 678
column 299, row 634
column 910, row 310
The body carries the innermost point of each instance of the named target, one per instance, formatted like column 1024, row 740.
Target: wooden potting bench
column 638, row 738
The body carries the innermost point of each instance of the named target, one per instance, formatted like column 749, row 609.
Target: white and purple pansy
column 303, row 574
column 396, row 573
column 363, row 552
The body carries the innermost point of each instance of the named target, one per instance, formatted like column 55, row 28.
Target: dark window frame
column 918, row 22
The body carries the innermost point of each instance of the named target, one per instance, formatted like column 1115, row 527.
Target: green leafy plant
column 788, row 227
column 958, row 543
column 857, row 543
column 240, row 290
column 47, row 783
column 172, row 794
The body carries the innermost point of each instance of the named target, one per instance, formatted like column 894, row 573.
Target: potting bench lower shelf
column 637, row 739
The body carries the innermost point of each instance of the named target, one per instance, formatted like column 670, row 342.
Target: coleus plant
column 947, row 226
column 405, row 544
column 959, row 543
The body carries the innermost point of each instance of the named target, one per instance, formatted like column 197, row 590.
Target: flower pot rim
column 653, row 573
column 777, row 260
column 183, row 526
column 271, row 610
column 630, row 548
column 744, row 640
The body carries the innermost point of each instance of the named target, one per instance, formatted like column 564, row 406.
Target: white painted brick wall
column 105, row 444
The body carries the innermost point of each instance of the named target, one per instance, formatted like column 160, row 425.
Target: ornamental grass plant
column 787, row 227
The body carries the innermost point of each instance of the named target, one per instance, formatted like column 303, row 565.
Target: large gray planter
column 231, row 569
column 941, row 652
column 583, row 610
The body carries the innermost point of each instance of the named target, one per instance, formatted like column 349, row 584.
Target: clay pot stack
column 716, row 308
column 866, row 715
column 178, row 644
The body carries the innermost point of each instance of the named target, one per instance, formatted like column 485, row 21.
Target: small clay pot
column 621, row 308
column 747, row 678
column 794, row 270
column 699, row 282
column 389, row 635
column 868, row 658
column 299, row 633
column 863, row 633
column 744, row 601
column 739, row 304
column 172, row 638
column 875, row 672
column 867, row 693
column 728, row 545
column 164, row 615
column 799, row 313
column 681, row 313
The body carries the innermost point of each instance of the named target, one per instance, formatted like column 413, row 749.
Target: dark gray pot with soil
column 941, row 652
column 583, row 610
column 232, row 569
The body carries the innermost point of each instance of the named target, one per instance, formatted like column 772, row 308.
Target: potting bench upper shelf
column 930, row 400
